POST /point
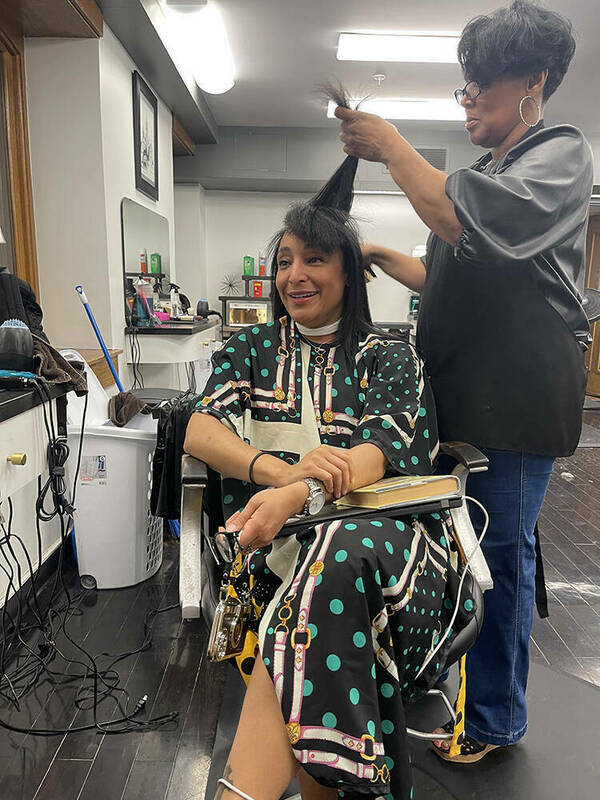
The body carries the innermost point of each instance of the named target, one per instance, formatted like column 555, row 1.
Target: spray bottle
column 176, row 310
column 156, row 294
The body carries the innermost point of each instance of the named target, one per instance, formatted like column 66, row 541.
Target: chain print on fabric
column 300, row 640
column 371, row 342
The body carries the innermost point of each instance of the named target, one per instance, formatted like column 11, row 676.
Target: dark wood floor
column 570, row 532
column 172, row 763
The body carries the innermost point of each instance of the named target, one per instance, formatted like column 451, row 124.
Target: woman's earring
column 539, row 110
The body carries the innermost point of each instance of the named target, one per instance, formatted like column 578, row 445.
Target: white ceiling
column 284, row 48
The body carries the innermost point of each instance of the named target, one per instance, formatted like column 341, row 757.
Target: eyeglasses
column 471, row 90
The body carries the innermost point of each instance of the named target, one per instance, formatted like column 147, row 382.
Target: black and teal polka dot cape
column 379, row 396
column 351, row 609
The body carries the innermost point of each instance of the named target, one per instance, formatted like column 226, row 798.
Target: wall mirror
column 145, row 236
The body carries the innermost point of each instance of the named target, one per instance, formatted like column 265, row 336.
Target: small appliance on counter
column 240, row 311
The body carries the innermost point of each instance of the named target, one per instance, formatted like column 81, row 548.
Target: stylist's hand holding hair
column 374, row 139
column 367, row 135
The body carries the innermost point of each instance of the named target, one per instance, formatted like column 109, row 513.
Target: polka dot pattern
column 345, row 688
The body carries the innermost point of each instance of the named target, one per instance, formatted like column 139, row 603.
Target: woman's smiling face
column 310, row 282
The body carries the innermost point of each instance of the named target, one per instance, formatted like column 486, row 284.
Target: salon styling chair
column 200, row 573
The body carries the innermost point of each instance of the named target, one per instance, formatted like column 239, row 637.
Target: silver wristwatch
column 316, row 497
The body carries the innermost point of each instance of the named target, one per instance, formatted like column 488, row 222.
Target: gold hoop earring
column 539, row 110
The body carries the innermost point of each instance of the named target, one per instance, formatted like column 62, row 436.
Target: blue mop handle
column 86, row 305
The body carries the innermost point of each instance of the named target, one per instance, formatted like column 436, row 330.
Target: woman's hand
column 266, row 513
column 330, row 465
column 367, row 135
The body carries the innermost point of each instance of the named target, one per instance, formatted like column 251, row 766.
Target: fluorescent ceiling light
column 439, row 48
column 420, row 108
column 198, row 37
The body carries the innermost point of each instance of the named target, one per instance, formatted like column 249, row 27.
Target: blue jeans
column 512, row 491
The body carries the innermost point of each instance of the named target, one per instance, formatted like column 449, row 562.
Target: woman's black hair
column 523, row 39
column 324, row 222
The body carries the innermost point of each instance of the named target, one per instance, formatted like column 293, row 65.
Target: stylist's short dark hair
column 522, row 39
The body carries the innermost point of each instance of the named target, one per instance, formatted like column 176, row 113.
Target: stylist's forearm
column 209, row 440
column 407, row 270
column 425, row 187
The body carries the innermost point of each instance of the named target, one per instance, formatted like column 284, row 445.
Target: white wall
column 190, row 239
column 392, row 222
column 80, row 110
column 243, row 222
column 63, row 99
column 119, row 172
column 237, row 224
column 81, row 137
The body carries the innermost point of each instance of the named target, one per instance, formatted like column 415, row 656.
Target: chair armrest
column 466, row 455
column 469, row 459
column 193, row 471
column 194, row 475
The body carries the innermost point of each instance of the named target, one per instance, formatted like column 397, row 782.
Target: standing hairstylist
column 501, row 327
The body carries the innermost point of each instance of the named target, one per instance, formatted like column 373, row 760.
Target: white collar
column 325, row 330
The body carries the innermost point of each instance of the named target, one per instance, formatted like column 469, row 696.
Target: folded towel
column 124, row 406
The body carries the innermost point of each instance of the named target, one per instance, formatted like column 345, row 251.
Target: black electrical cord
column 33, row 665
column 136, row 354
column 190, row 371
column 211, row 313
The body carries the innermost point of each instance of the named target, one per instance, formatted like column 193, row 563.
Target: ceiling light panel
column 439, row 48
column 199, row 39
column 417, row 108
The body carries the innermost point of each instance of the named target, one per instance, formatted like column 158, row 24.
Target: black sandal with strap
column 471, row 751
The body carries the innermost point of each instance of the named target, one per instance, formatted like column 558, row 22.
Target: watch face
column 316, row 504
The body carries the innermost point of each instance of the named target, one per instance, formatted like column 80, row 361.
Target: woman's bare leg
column 311, row 790
column 261, row 762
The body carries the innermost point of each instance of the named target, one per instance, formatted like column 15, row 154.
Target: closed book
column 402, row 490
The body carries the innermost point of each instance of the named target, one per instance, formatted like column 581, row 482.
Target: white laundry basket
column 119, row 543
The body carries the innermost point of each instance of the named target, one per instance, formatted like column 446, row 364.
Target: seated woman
column 320, row 401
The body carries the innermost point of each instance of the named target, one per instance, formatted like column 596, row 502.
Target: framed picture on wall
column 145, row 137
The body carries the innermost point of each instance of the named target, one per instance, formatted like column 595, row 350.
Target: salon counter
column 164, row 355
column 171, row 343
column 176, row 328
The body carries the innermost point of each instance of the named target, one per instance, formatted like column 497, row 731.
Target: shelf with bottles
column 253, row 285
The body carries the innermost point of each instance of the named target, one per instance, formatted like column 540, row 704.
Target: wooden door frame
column 19, row 162
column 591, row 281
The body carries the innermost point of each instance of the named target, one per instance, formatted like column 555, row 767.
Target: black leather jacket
column 501, row 325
